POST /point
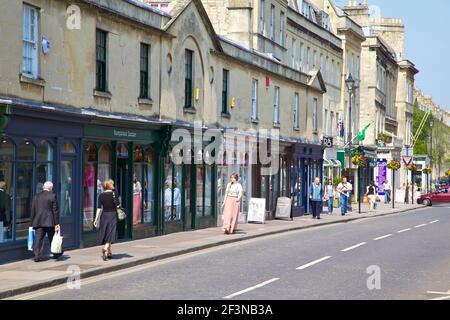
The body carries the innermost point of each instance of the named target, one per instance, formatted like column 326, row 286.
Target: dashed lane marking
column 383, row 237
column 421, row 225
column 404, row 230
column 434, row 221
column 354, row 247
column 251, row 288
column 313, row 263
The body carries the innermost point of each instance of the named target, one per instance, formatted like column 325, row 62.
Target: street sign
column 327, row 142
column 407, row 160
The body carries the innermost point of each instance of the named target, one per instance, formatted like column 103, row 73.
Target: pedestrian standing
column 107, row 206
column 329, row 196
column 344, row 189
column 316, row 197
column 371, row 194
column 44, row 219
column 387, row 192
column 231, row 204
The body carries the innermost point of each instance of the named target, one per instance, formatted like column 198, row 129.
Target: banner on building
column 257, row 210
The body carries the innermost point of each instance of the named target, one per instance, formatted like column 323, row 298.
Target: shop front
column 36, row 147
column 307, row 164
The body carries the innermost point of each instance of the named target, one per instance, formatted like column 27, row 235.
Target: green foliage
column 337, row 180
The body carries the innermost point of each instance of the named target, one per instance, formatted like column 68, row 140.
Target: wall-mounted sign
column 121, row 134
column 327, row 142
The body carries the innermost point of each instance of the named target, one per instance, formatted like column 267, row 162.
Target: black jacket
column 44, row 210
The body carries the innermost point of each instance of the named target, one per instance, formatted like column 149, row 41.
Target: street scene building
column 96, row 90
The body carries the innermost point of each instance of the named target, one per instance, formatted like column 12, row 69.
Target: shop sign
column 119, row 133
column 257, row 210
column 327, row 142
column 283, row 208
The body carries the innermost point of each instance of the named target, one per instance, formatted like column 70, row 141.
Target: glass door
column 67, row 202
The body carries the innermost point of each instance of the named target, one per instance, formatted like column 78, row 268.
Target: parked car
column 440, row 196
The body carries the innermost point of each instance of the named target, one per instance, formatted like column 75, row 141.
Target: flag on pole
column 362, row 134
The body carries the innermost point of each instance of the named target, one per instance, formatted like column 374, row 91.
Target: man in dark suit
column 44, row 218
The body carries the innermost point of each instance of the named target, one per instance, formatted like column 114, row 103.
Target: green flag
column 362, row 134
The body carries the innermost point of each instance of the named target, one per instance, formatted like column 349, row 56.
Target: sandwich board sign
column 256, row 210
column 284, row 205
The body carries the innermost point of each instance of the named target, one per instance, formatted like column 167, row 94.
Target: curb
column 103, row 270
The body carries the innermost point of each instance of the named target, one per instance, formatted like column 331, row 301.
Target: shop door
column 122, row 183
column 307, row 183
column 69, row 203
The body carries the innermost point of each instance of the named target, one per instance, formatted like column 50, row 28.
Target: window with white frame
column 306, row 9
column 293, row 53
column 30, row 39
column 296, row 111
column 272, row 22
column 262, row 17
column 254, row 99
column 302, row 57
column 314, row 114
column 282, row 31
column 163, row 6
column 276, row 109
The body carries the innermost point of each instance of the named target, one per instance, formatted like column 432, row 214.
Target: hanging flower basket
column 394, row 165
column 427, row 170
column 447, row 173
column 412, row 167
column 359, row 160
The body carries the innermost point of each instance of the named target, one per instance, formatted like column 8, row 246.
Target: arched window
column 44, row 151
column 104, row 166
column 25, row 150
column 122, row 150
column 90, row 153
column 138, row 154
column 90, row 158
column 6, row 150
column 68, row 148
column 104, row 154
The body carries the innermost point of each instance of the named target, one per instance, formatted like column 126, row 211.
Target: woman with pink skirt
column 231, row 205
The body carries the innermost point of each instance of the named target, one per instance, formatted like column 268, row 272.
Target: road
column 411, row 251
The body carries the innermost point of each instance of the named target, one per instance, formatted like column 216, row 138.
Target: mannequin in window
column 137, row 200
column 171, row 213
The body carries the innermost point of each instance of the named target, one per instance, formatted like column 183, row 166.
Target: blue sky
column 427, row 41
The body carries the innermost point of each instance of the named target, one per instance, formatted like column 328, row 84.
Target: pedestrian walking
column 387, row 192
column 231, row 204
column 329, row 196
column 344, row 189
column 44, row 219
column 316, row 197
column 107, row 209
column 372, row 195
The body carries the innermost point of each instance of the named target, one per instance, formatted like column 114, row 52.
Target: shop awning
column 327, row 163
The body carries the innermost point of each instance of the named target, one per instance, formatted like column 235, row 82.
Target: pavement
column 27, row 276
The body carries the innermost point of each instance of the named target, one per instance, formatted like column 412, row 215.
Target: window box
column 101, row 94
column 190, row 110
column 146, row 101
column 29, row 80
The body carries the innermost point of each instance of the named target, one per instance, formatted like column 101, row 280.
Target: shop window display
column 90, row 158
column 6, row 196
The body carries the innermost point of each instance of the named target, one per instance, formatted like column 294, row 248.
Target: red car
column 436, row 197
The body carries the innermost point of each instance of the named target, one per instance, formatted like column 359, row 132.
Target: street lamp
column 350, row 83
column 431, row 151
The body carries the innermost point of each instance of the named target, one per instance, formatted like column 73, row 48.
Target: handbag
column 98, row 219
column 366, row 199
column 121, row 215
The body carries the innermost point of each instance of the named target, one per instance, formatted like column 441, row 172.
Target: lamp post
column 431, row 151
column 350, row 83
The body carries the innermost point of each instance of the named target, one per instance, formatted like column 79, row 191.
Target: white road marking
column 354, row 247
column 404, row 230
column 313, row 263
column 383, row 237
column 252, row 288
column 442, row 298
column 436, row 292
column 420, row 225
column 434, row 221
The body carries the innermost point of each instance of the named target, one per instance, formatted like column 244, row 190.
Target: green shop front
column 159, row 196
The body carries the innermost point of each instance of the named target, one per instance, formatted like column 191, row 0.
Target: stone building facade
column 97, row 89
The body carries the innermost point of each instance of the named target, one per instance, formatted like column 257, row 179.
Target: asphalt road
column 411, row 251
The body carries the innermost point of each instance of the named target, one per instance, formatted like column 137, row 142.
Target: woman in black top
column 108, row 202
column 371, row 194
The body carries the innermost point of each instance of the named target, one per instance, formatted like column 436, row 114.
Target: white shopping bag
column 56, row 247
